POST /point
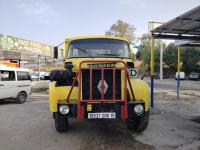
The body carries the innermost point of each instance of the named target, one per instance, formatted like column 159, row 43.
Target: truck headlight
column 139, row 109
column 64, row 109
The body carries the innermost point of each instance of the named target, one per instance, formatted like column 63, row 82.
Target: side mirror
column 55, row 52
column 138, row 54
column 143, row 76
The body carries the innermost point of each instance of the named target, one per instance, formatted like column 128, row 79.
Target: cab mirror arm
column 55, row 52
column 143, row 76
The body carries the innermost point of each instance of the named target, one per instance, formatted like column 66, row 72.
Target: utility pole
column 161, row 61
column 20, row 60
column 39, row 67
column 45, row 65
column 56, row 63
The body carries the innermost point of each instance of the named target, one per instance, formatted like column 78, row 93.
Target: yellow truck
column 98, row 82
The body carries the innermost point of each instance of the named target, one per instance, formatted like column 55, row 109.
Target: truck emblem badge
column 99, row 86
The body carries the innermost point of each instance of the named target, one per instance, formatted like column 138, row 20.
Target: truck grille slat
column 96, row 78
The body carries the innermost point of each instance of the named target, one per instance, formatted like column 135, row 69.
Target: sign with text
column 10, row 43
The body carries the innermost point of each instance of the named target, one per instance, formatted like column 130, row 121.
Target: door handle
column 1, row 84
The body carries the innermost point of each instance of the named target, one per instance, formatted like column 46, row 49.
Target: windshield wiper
column 110, row 54
column 83, row 50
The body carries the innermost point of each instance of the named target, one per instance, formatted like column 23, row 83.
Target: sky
column 51, row 21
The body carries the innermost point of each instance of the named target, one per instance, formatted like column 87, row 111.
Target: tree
column 157, row 59
column 146, row 40
column 170, row 56
column 145, row 56
column 190, row 58
column 122, row 29
column 144, row 53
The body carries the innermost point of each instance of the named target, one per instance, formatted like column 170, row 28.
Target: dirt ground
column 170, row 124
column 30, row 126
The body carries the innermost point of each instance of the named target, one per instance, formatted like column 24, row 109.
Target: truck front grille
column 96, row 78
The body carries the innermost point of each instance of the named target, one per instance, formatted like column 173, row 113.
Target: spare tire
column 52, row 75
column 60, row 75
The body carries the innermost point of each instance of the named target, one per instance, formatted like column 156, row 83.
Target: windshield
column 98, row 48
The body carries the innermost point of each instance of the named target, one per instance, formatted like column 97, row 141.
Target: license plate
column 101, row 115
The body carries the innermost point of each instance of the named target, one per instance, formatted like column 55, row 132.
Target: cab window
column 21, row 75
column 103, row 48
column 7, row 75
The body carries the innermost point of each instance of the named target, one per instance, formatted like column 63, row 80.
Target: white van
column 14, row 84
column 182, row 75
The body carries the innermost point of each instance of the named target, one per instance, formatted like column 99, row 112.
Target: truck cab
column 98, row 81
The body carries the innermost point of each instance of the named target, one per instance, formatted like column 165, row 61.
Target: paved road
column 171, row 84
column 30, row 127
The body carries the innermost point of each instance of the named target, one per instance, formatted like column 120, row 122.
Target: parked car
column 14, row 84
column 35, row 76
column 182, row 75
column 194, row 76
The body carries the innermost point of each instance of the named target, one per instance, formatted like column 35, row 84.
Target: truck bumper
column 101, row 108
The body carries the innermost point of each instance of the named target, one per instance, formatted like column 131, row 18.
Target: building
column 18, row 52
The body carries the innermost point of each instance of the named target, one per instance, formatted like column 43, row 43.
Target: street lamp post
column 161, row 61
column 39, row 67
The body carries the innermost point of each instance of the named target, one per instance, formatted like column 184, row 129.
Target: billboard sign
column 10, row 43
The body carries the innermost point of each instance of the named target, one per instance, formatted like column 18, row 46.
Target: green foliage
column 156, row 59
column 146, row 41
column 170, row 57
column 190, row 58
column 145, row 51
column 122, row 29
column 145, row 56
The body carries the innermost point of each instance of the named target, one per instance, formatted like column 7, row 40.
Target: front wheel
column 138, row 123
column 21, row 98
column 61, row 123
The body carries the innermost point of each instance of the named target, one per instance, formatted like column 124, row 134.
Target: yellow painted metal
column 89, row 107
column 66, row 47
column 152, row 55
column 141, row 91
column 179, row 60
column 140, row 87
column 60, row 93
column 95, row 37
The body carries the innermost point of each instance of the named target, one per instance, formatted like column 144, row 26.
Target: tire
column 21, row 98
column 60, row 75
column 139, row 123
column 61, row 123
column 52, row 75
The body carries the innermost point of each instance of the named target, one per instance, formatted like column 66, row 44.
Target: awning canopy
column 183, row 27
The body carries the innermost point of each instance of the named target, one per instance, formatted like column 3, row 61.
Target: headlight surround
column 64, row 109
column 139, row 109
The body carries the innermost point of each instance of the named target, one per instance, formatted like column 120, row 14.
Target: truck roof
column 96, row 37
